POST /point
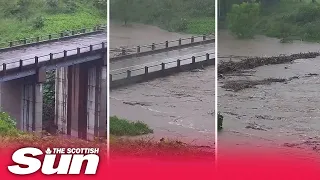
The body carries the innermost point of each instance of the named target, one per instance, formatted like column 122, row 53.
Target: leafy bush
column 49, row 98
column 178, row 25
column 243, row 18
column 7, row 125
column 52, row 5
column 307, row 13
column 38, row 23
column 70, row 6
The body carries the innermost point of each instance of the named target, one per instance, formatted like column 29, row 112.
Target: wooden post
column 178, row 63
column 20, row 64
column 128, row 73
column 36, row 61
column 4, row 68
column 146, row 70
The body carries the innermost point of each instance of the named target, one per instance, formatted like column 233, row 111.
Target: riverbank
column 288, row 20
column 13, row 138
column 48, row 19
column 186, row 16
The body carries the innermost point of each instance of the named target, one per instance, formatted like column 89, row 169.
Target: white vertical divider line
column 108, row 81
column 216, row 83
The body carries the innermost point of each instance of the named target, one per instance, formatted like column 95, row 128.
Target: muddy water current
column 176, row 107
column 285, row 114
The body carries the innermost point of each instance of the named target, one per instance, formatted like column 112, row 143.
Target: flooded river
column 176, row 107
column 284, row 115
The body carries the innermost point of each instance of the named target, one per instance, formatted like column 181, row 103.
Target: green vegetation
column 242, row 19
column 189, row 16
column 290, row 21
column 7, row 125
column 284, row 19
column 122, row 127
column 30, row 18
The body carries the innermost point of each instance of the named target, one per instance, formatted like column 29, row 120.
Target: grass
column 122, row 127
column 204, row 25
column 13, row 29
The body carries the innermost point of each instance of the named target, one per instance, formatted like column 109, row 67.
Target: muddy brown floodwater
column 176, row 107
column 283, row 114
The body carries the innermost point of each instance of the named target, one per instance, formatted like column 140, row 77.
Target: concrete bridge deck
column 118, row 68
column 27, row 54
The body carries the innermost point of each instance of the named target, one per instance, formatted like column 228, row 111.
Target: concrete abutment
column 81, row 100
column 22, row 99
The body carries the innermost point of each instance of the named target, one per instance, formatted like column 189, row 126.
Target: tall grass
column 11, row 28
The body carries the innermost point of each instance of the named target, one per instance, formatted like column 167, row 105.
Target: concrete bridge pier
column 22, row 99
column 81, row 100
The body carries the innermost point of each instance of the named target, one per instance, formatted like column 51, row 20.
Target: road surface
column 43, row 50
column 118, row 68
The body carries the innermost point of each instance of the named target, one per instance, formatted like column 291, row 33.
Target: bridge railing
column 51, row 37
column 49, row 59
column 123, row 51
column 145, row 69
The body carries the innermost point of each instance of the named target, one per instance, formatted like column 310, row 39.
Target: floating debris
column 244, row 84
column 250, row 63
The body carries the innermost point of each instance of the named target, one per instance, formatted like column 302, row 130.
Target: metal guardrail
column 148, row 73
column 39, row 61
column 51, row 37
column 140, row 70
column 123, row 51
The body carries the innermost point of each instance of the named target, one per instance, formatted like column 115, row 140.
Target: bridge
column 79, row 62
column 143, row 63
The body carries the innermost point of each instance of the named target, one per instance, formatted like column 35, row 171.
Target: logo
column 70, row 162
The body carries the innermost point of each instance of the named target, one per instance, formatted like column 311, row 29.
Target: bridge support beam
column 81, row 100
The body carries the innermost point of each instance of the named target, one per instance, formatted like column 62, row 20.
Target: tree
column 102, row 5
column 24, row 9
column 243, row 18
column 121, row 9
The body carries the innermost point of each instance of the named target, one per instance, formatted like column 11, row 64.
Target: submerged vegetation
column 122, row 127
column 190, row 16
column 284, row 19
column 29, row 18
